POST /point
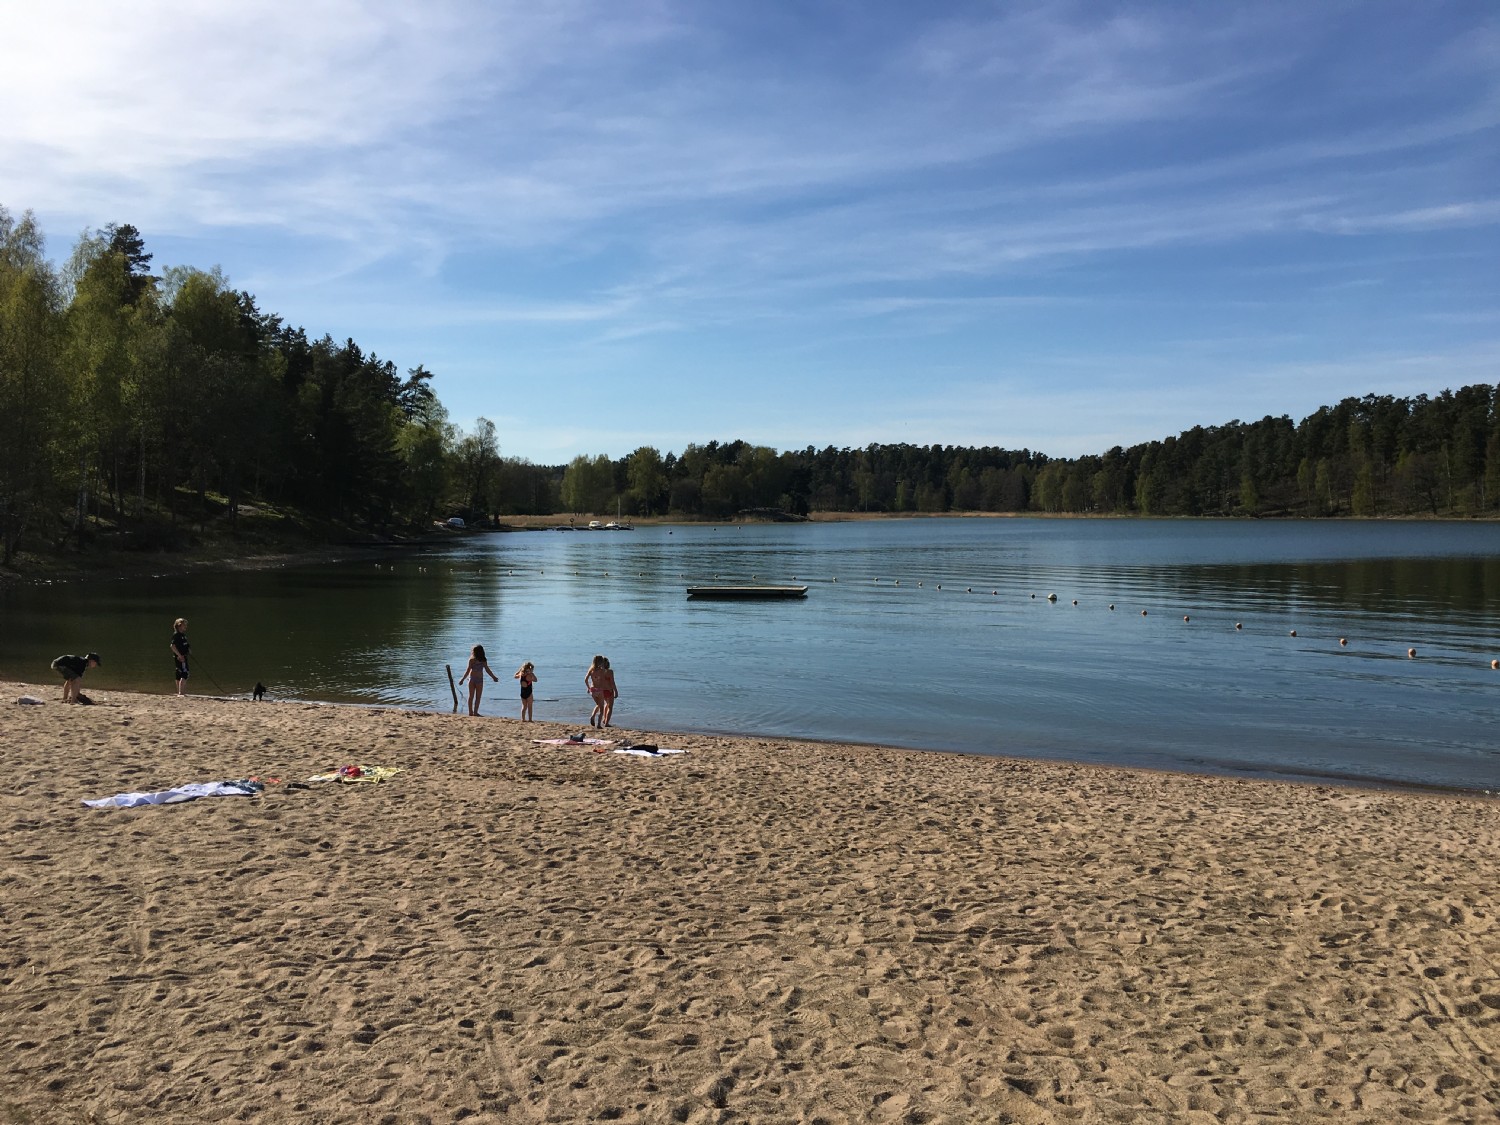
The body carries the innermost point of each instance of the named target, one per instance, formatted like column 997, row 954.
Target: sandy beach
column 753, row 931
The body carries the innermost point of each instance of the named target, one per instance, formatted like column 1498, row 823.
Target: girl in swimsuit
column 600, row 681
column 475, row 674
column 527, row 676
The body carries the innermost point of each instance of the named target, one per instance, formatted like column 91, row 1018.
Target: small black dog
column 260, row 690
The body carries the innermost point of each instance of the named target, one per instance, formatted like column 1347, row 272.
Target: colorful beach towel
column 359, row 773
column 189, row 792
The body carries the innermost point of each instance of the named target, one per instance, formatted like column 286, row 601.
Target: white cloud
column 1465, row 214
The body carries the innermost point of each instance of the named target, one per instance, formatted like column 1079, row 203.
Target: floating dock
column 747, row 591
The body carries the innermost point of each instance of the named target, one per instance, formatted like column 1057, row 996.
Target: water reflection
column 1465, row 590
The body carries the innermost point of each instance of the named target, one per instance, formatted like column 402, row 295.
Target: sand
column 754, row 931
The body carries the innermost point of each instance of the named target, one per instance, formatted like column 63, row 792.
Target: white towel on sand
column 189, row 792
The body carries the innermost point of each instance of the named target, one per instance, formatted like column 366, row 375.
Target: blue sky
column 1060, row 226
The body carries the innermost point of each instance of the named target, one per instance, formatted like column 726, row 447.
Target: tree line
column 1374, row 456
column 144, row 406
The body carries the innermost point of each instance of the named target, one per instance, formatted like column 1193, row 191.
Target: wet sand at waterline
column 754, row 931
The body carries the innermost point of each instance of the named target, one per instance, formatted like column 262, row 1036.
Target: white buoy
column 1052, row 597
column 1343, row 642
column 1293, row 633
column 1237, row 625
column 1411, row 654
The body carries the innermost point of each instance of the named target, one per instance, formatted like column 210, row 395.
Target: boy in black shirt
column 180, row 650
column 72, row 669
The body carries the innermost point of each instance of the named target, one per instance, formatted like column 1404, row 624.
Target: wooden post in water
column 452, row 686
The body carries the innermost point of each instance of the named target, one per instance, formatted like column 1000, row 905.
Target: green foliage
column 149, row 408
column 32, row 406
column 649, row 483
column 1375, row 456
column 588, row 485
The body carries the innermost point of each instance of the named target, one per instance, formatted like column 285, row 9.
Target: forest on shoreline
column 143, row 412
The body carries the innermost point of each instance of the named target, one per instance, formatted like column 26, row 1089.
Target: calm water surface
column 923, row 633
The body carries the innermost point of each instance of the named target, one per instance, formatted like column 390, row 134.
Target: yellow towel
column 359, row 773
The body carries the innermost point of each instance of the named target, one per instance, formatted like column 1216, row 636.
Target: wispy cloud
column 1466, row 214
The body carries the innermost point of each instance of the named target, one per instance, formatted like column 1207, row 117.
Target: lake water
column 931, row 633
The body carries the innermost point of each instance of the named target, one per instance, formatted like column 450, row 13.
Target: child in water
column 527, row 676
column 475, row 674
column 600, row 681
